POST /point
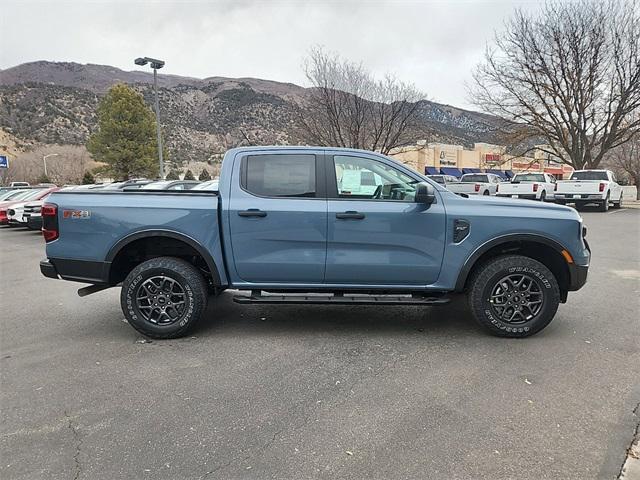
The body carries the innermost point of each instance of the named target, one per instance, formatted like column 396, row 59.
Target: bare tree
column 626, row 158
column 570, row 74
column 348, row 107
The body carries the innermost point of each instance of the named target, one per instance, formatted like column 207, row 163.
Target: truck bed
column 93, row 222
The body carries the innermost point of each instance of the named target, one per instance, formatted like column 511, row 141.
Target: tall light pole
column 155, row 64
column 44, row 161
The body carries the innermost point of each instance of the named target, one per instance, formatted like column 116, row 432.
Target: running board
column 293, row 299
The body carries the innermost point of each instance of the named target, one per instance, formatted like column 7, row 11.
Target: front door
column 278, row 218
column 377, row 234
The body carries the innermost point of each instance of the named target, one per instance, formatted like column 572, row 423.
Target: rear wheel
column 543, row 196
column 164, row 297
column 604, row 205
column 618, row 204
column 513, row 296
column 486, row 192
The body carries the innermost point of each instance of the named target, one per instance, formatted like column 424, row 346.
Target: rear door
column 377, row 234
column 278, row 217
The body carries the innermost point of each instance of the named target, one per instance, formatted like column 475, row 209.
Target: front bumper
column 577, row 276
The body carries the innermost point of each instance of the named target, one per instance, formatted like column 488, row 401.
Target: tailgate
column 461, row 187
column 515, row 188
column 578, row 186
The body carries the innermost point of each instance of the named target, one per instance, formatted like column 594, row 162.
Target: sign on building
column 493, row 158
column 448, row 157
column 4, row 161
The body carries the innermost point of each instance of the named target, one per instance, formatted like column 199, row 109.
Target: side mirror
column 425, row 194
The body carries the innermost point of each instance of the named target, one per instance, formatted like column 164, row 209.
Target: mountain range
column 55, row 103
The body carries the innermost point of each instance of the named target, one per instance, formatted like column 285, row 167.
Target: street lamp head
column 154, row 62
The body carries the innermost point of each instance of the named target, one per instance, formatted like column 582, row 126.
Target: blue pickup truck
column 316, row 226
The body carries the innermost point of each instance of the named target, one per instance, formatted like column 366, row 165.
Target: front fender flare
column 485, row 247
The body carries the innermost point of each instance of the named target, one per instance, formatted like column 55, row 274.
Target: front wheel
column 164, row 297
column 513, row 296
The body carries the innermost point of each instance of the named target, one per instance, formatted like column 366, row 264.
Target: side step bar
column 338, row 299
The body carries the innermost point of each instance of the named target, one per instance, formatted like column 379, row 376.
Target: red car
column 24, row 196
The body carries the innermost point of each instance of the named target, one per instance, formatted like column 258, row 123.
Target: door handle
column 252, row 212
column 350, row 215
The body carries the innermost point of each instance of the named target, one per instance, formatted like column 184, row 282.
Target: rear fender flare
column 123, row 242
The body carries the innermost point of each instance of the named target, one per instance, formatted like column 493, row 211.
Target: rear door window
column 279, row 175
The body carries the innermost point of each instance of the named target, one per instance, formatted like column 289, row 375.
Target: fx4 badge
column 76, row 214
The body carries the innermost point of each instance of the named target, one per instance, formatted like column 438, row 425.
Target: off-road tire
column 182, row 273
column 488, row 276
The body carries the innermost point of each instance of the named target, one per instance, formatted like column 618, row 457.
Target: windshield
column 25, row 195
column 10, row 193
column 208, row 185
column 589, row 175
column 157, row 185
column 528, row 177
column 470, row 177
column 114, row 186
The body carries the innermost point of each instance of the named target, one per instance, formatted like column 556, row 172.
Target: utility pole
column 44, row 161
column 155, row 64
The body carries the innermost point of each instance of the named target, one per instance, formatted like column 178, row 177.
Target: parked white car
column 14, row 214
column 476, row 184
column 590, row 186
column 532, row 186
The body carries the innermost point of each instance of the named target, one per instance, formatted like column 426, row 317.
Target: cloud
column 434, row 44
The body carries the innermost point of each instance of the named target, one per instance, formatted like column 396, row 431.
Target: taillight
column 3, row 216
column 602, row 187
column 49, row 222
column 477, row 187
column 535, row 187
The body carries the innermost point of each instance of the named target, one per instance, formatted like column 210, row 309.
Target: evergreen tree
column 189, row 175
column 204, row 175
column 126, row 136
column 44, row 179
column 88, row 178
column 173, row 175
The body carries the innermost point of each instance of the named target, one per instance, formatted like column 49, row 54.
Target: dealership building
column 435, row 158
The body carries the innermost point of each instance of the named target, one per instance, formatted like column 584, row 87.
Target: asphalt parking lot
column 295, row 392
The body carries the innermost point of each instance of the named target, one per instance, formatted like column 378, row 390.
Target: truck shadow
column 224, row 317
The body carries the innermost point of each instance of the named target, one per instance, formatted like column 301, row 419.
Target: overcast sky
column 434, row 44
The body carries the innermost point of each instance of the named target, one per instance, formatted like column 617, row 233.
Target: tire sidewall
column 129, row 305
column 486, row 283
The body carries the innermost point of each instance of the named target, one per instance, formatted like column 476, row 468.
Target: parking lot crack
column 631, row 451
column 78, row 444
column 246, row 458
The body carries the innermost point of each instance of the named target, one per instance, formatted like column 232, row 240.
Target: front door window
column 367, row 179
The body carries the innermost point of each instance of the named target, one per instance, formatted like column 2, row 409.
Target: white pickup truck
column 476, row 184
column 532, row 186
column 590, row 186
